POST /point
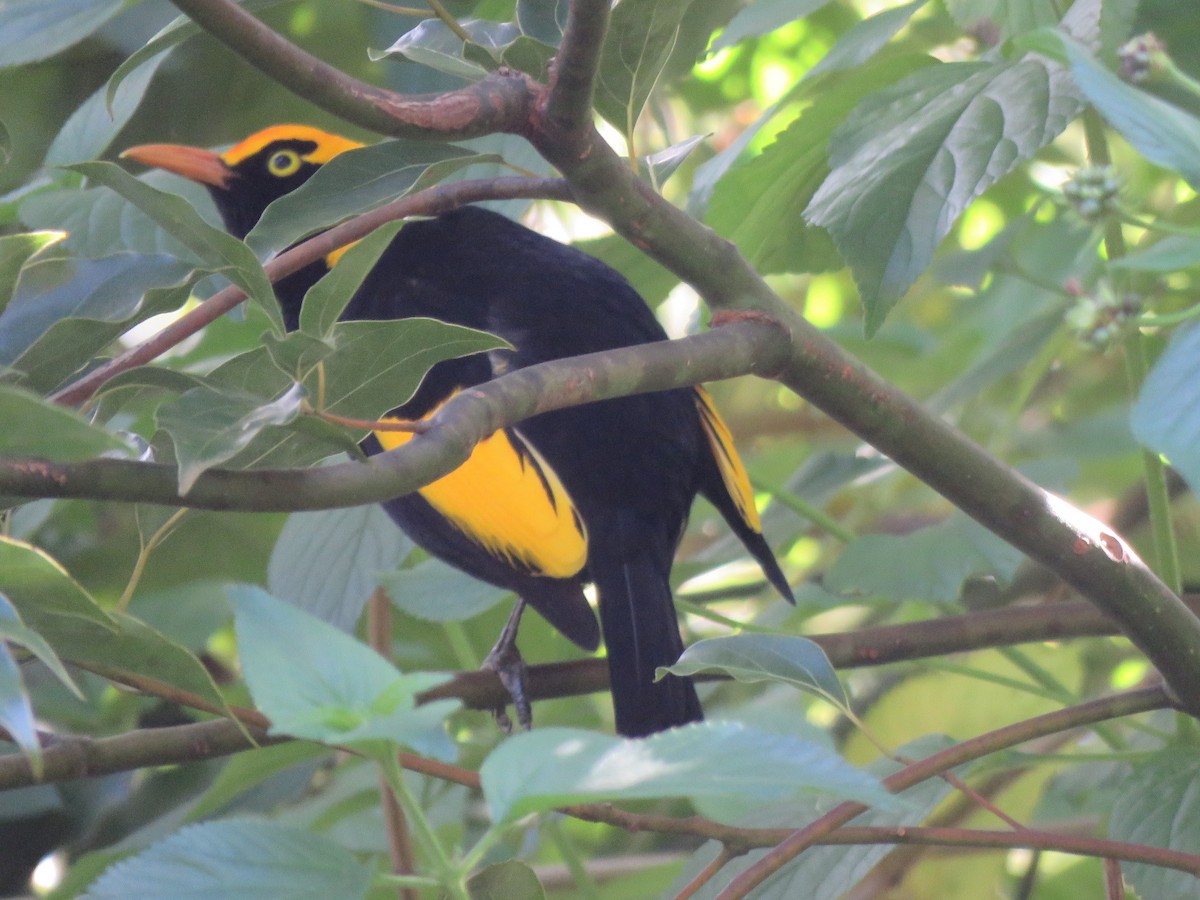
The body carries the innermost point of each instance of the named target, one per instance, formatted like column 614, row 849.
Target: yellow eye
column 283, row 163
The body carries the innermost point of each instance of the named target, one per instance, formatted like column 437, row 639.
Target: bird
column 595, row 494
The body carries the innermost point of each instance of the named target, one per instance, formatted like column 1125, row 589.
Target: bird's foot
column 505, row 660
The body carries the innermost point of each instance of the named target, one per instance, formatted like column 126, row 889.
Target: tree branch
column 568, row 105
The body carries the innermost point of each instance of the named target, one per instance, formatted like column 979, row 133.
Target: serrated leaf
column 317, row 682
column 32, row 30
column 92, row 127
column 762, row 17
column 435, row 592
column 862, row 41
column 540, row 770
column 1158, row 807
column 510, row 880
column 1166, row 415
column 213, row 246
column 350, row 184
column 237, row 861
column 327, row 299
column 209, row 426
column 40, row 429
column 641, row 35
column 1160, row 131
column 327, row 562
column 15, row 251
column 908, row 160
column 755, row 658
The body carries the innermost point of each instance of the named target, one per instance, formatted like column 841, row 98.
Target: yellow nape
column 733, row 472
column 328, row 145
column 506, row 499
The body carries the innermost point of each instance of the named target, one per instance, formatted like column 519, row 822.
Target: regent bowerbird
column 592, row 494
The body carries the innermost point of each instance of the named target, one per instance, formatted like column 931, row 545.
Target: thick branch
column 568, row 107
column 465, row 420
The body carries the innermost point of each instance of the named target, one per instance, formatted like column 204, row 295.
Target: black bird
column 598, row 493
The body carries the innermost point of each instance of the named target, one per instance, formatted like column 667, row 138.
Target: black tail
column 641, row 633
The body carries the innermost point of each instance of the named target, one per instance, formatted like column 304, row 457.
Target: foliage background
column 996, row 332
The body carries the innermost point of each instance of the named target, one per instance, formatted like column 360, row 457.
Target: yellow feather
column 508, row 500
column 733, row 472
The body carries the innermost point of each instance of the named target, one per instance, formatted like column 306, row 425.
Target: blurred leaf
column 1166, row 415
column 237, row 861
column 15, row 251
column 45, row 430
column 511, row 880
column 13, row 630
column 1007, row 17
column 1160, row 131
column 930, row 564
column 31, row 30
column 96, row 122
column 1158, row 807
column 435, row 592
column 250, row 769
column 316, row 682
column 38, row 587
column 220, row 251
column 328, row 562
column 862, row 41
column 327, row 299
column 763, row 16
column 909, row 159
column 210, row 426
column 753, row 658
column 539, row 770
column 350, row 184
column 649, row 277
column 641, row 35
column 16, row 712
column 1173, row 253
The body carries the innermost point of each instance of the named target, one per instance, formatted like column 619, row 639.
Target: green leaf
column 13, row 630
column 39, row 588
column 16, row 712
column 32, row 30
column 511, row 880
column 350, row 184
column 210, row 426
column 757, row 203
column 316, row 682
column 542, row 20
column 434, row 45
column 1166, row 415
column 435, row 592
column 218, row 250
column 327, row 299
column 540, row 770
column 1158, row 807
column 909, row 159
column 327, row 562
column 1160, row 131
column 766, row 657
column 237, row 861
column 1173, row 253
column 96, row 122
column 862, row 41
column 248, row 770
column 1007, row 17
column 45, row 430
column 762, row 17
column 930, row 564
column 641, row 35
column 662, row 165
column 15, row 251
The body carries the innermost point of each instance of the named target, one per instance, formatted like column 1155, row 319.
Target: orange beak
column 199, row 165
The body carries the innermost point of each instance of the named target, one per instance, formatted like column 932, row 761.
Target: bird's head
column 246, row 178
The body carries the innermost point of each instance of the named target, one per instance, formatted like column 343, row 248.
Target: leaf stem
column 449, row 875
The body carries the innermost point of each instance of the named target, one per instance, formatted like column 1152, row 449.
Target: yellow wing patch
column 331, row 259
column 508, row 500
column 328, row 145
column 733, row 472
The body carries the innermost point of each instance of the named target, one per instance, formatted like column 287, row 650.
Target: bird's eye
column 283, row 163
